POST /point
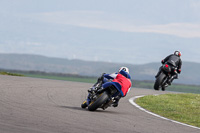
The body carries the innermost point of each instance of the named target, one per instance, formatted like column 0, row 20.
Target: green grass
column 184, row 108
column 11, row 74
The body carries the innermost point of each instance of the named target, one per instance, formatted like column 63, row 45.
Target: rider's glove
column 162, row 62
column 179, row 71
column 101, row 78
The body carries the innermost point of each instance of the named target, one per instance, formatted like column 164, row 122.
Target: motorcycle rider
column 122, row 77
column 174, row 60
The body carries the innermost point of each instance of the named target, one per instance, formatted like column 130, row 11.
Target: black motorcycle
column 162, row 80
column 101, row 97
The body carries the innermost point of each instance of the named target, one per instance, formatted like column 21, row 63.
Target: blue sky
column 124, row 31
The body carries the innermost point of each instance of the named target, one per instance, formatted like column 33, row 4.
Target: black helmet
column 177, row 53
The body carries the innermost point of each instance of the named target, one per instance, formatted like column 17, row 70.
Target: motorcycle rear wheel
column 102, row 98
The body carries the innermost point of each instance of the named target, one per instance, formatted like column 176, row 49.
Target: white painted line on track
column 131, row 100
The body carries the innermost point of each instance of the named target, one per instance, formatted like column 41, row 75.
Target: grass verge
column 184, row 108
column 11, row 74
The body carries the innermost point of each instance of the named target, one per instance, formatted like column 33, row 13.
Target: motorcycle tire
column 159, row 81
column 84, row 104
column 102, row 98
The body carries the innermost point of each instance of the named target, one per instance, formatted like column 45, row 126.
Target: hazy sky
column 126, row 31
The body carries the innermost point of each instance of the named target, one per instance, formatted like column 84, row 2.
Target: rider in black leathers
column 174, row 60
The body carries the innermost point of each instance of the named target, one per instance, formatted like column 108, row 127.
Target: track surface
column 31, row 105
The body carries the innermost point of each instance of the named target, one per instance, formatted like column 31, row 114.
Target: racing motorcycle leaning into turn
column 162, row 80
column 100, row 97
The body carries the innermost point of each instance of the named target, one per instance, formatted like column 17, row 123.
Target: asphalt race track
column 33, row 105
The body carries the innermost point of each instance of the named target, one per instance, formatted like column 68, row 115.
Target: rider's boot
column 172, row 78
column 163, row 88
column 169, row 82
column 117, row 98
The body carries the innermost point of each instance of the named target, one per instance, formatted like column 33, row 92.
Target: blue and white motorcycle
column 102, row 96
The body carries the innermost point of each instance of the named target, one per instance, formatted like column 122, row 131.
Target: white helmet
column 125, row 69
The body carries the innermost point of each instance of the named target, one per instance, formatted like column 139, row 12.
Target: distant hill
column 190, row 71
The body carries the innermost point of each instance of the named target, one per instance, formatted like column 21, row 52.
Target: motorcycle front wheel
column 159, row 81
column 84, row 104
column 102, row 98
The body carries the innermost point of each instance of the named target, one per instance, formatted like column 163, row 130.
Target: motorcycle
column 162, row 80
column 102, row 97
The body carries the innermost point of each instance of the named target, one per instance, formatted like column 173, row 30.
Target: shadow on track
column 81, row 109
column 74, row 108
